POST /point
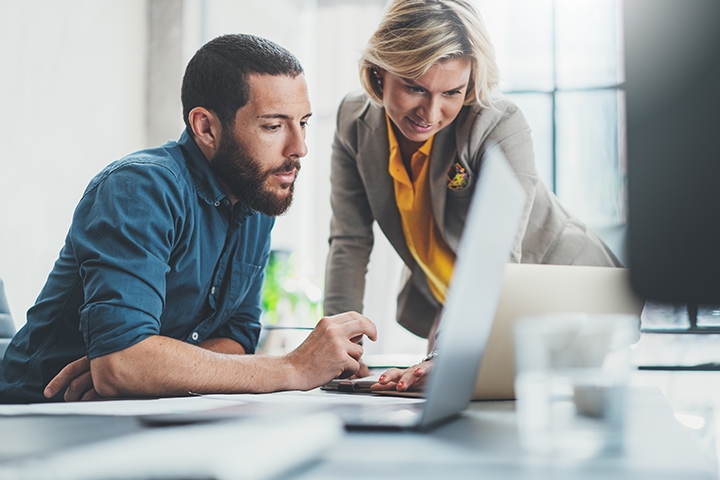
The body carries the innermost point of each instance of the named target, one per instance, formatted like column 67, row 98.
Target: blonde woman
column 406, row 154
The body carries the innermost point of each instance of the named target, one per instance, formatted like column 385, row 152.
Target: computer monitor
column 672, row 68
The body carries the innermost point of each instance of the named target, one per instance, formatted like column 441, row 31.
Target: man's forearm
column 162, row 366
column 222, row 345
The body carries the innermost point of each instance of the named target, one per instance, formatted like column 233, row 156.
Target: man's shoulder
column 168, row 157
column 161, row 163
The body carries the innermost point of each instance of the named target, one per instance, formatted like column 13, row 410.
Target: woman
column 407, row 152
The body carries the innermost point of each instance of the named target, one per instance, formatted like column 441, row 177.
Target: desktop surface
column 482, row 442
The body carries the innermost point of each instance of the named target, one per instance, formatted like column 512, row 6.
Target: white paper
column 160, row 406
column 256, row 448
column 317, row 397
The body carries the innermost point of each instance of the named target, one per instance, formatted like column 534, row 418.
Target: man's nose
column 296, row 146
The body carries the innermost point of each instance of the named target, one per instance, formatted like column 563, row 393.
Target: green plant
column 286, row 291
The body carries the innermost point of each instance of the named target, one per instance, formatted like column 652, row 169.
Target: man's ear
column 207, row 129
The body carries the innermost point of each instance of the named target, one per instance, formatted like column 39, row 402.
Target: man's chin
column 278, row 205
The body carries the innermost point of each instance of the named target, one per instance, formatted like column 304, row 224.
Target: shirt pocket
column 244, row 276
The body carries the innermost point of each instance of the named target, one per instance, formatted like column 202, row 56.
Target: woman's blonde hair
column 415, row 34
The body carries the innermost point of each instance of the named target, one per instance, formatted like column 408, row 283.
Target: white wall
column 72, row 76
column 75, row 86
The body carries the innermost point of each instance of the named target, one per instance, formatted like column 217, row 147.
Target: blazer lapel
column 442, row 157
column 372, row 159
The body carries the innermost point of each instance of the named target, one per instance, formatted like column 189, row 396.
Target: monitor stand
column 693, row 328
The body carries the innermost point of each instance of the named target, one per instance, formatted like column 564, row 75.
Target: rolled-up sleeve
column 122, row 238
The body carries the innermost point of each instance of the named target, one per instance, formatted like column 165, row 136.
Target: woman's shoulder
column 356, row 108
column 500, row 113
column 500, row 122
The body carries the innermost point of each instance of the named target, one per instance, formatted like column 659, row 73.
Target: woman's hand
column 407, row 379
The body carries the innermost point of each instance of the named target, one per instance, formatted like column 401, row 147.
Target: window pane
column 521, row 31
column 587, row 43
column 537, row 108
column 591, row 178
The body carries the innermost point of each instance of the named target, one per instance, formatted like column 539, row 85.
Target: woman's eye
column 415, row 89
column 453, row 93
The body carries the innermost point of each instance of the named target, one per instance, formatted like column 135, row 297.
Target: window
column 560, row 62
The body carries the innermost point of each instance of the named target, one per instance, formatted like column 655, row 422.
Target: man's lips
column 286, row 176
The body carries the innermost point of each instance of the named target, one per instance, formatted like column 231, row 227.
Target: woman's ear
column 206, row 129
column 378, row 75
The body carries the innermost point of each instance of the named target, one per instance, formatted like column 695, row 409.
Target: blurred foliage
column 286, row 291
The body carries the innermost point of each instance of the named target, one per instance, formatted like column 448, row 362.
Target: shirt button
column 226, row 202
column 217, row 204
column 212, row 291
column 194, row 336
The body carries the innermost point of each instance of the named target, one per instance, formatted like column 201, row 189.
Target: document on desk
column 315, row 397
column 252, row 448
column 136, row 407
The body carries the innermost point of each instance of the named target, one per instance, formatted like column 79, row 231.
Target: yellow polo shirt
column 422, row 235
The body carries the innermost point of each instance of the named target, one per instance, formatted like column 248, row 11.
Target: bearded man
column 157, row 289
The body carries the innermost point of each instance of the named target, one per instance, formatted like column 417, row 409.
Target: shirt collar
column 206, row 183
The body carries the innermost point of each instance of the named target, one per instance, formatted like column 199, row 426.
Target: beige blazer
column 363, row 193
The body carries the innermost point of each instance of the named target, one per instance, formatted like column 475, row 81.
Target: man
column 157, row 289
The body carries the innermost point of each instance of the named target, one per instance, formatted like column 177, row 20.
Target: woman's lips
column 419, row 127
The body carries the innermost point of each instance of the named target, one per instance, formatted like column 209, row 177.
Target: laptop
column 538, row 289
column 471, row 301
column 472, row 297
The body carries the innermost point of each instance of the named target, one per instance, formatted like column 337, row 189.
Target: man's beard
column 247, row 180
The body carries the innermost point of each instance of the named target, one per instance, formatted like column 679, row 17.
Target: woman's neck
column 407, row 149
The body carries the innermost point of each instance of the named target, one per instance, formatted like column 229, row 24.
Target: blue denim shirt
column 154, row 248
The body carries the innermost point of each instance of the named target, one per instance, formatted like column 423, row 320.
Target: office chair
column 7, row 326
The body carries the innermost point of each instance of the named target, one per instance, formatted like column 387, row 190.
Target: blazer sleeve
column 351, row 226
column 507, row 129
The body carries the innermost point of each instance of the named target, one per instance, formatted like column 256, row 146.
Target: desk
column 483, row 443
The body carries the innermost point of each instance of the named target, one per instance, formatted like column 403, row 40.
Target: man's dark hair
column 216, row 76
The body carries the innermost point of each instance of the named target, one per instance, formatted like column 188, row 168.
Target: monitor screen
column 672, row 88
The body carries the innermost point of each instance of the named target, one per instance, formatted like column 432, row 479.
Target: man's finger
column 90, row 395
column 355, row 351
column 78, row 387
column 358, row 327
column 66, row 375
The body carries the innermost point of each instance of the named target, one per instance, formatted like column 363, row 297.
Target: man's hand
column 76, row 377
column 363, row 371
column 330, row 350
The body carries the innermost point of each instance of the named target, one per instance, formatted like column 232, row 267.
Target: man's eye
column 304, row 124
column 272, row 128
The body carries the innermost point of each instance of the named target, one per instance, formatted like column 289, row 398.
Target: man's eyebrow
column 281, row 116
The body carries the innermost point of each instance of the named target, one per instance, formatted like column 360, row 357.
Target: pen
column 282, row 327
